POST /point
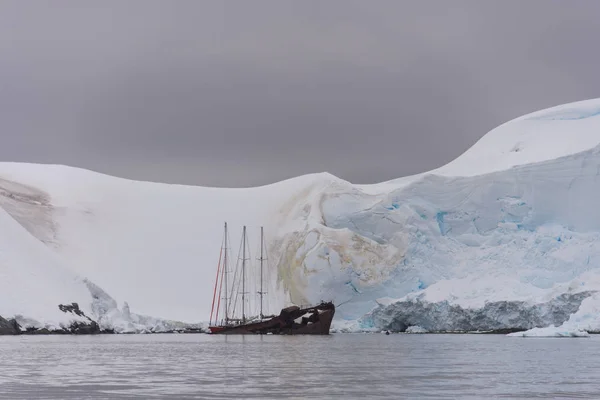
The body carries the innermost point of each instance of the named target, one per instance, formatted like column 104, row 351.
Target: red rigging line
column 219, row 301
column 212, row 308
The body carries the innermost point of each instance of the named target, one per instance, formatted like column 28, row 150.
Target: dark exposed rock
column 77, row 327
column 504, row 331
column 42, row 331
column 9, row 327
column 73, row 308
column 81, row 328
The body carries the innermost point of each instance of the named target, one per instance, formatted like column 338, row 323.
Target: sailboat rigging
column 291, row 320
column 261, row 293
column 244, row 276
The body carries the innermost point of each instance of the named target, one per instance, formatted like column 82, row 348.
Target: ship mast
column 225, row 277
column 261, row 293
column 244, row 276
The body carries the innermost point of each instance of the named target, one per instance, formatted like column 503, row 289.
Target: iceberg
column 416, row 329
column 550, row 331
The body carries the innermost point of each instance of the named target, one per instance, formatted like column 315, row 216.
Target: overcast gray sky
column 240, row 93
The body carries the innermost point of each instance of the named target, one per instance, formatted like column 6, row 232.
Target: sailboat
column 224, row 318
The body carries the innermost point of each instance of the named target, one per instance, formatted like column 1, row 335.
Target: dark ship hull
column 312, row 321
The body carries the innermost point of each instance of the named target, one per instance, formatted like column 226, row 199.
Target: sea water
column 342, row 366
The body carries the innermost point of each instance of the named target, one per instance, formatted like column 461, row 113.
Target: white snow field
column 504, row 237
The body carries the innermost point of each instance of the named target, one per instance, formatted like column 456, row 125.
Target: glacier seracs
column 504, row 237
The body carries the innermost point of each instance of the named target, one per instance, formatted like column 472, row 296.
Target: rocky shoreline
column 89, row 327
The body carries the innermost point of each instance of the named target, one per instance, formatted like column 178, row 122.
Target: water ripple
column 350, row 366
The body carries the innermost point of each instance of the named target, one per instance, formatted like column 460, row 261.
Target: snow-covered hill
column 505, row 236
column 27, row 269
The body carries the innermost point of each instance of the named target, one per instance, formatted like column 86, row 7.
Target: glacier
column 505, row 237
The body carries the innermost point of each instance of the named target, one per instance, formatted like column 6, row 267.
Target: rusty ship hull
column 291, row 321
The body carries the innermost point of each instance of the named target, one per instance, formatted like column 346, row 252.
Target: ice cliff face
column 514, row 246
column 506, row 236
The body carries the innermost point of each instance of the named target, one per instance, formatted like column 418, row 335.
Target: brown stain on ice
column 31, row 208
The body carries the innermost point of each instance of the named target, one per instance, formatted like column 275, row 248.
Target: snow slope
column 154, row 246
column 504, row 236
column 544, row 135
column 34, row 282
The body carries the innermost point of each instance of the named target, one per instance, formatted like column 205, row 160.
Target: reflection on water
column 345, row 366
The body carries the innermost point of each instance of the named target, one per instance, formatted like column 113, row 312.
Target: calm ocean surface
column 344, row 366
